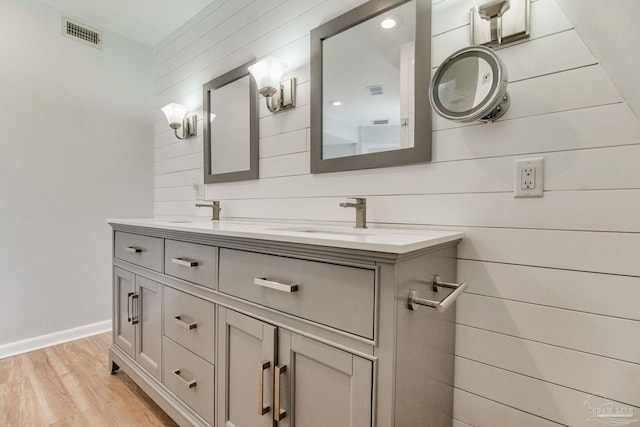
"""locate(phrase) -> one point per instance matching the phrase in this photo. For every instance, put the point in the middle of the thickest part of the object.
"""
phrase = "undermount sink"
(332, 231)
(188, 221)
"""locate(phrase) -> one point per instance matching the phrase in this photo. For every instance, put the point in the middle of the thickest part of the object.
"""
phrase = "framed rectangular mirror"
(230, 127)
(370, 75)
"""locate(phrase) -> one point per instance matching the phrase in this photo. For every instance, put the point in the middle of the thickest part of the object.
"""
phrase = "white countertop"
(391, 240)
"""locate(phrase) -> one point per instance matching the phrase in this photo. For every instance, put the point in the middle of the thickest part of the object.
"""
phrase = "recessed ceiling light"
(388, 23)
(336, 103)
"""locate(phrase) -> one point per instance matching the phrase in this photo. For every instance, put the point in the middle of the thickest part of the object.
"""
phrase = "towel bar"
(442, 305)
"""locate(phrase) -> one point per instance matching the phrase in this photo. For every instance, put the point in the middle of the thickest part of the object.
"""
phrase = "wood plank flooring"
(70, 385)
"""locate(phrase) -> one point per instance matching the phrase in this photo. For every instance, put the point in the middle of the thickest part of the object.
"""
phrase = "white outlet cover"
(538, 188)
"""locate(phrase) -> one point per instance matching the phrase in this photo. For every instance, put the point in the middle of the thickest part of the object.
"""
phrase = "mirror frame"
(421, 151)
(493, 106)
(207, 88)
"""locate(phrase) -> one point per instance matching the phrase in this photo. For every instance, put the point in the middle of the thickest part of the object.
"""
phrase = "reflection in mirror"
(470, 85)
(231, 131)
(366, 107)
(465, 85)
(230, 144)
(369, 87)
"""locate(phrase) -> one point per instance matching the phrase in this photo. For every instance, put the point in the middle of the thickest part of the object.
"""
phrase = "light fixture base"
(189, 127)
(288, 93)
(514, 25)
(284, 98)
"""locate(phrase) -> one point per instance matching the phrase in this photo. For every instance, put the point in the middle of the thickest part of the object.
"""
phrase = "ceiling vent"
(75, 30)
(380, 122)
(375, 90)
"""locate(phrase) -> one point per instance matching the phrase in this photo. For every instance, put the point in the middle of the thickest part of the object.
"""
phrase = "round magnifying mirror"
(470, 85)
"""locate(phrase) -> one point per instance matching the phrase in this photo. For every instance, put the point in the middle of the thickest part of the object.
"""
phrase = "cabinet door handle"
(134, 309)
(184, 324)
(262, 409)
(278, 412)
(187, 384)
(442, 305)
(185, 262)
(283, 287)
(132, 249)
(129, 316)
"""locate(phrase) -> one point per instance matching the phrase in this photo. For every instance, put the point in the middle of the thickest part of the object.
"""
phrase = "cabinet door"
(321, 385)
(246, 355)
(149, 333)
(124, 331)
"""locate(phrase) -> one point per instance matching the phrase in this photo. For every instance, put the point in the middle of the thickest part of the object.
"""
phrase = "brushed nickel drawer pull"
(278, 412)
(262, 408)
(134, 309)
(184, 324)
(132, 249)
(442, 305)
(188, 384)
(129, 315)
(283, 287)
(185, 262)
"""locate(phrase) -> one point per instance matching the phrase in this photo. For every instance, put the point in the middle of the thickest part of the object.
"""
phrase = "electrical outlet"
(198, 187)
(529, 178)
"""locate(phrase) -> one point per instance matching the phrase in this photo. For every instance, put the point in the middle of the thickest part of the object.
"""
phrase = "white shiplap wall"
(552, 312)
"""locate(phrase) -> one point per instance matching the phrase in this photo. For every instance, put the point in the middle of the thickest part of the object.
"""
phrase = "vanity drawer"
(189, 377)
(190, 321)
(190, 261)
(339, 296)
(140, 250)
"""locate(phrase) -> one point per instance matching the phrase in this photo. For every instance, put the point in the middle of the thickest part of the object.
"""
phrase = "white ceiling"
(146, 21)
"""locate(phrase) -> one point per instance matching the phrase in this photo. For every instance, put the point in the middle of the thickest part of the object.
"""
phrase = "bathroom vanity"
(244, 325)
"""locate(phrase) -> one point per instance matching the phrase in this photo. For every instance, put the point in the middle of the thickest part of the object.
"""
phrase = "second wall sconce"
(175, 114)
(280, 95)
(496, 22)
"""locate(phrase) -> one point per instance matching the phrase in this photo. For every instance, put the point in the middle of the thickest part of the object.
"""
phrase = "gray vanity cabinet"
(269, 370)
(224, 330)
(137, 321)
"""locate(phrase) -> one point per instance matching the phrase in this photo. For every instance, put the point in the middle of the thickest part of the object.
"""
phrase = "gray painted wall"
(76, 149)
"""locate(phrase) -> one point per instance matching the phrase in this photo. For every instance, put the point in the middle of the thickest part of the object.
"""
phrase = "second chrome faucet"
(361, 210)
(215, 205)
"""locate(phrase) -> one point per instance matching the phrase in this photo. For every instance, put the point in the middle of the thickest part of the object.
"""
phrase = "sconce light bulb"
(267, 74)
(488, 9)
(388, 23)
(175, 114)
(336, 103)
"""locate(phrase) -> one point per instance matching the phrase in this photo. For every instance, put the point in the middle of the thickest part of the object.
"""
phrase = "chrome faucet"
(361, 210)
(216, 209)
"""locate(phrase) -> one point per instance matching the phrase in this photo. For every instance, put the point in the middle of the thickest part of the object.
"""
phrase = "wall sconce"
(280, 95)
(175, 114)
(496, 22)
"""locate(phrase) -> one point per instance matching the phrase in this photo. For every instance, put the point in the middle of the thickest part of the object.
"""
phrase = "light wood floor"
(70, 385)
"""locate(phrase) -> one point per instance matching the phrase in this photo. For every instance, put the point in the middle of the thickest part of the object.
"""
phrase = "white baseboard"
(36, 343)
